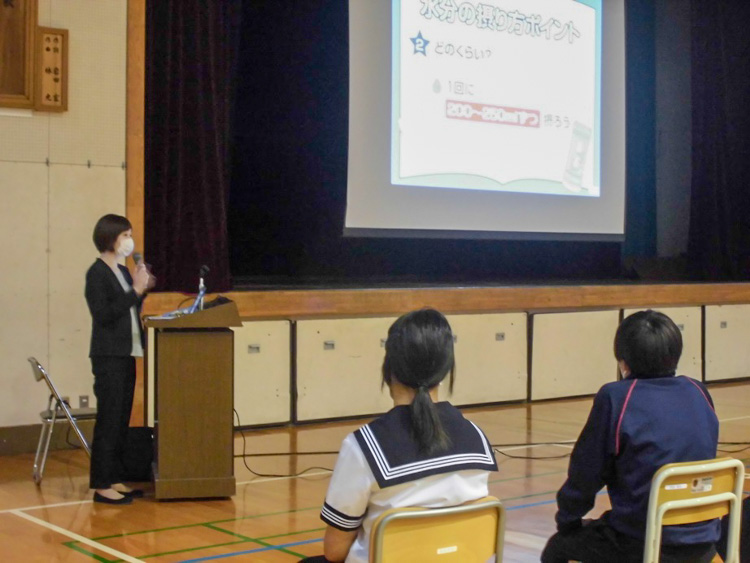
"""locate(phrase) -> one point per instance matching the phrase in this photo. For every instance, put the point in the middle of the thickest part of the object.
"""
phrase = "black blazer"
(111, 329)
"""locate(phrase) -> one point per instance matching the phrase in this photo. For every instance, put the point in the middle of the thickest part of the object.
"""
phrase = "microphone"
(137, 258)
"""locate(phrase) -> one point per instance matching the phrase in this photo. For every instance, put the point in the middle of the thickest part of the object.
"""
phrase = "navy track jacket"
(635, 426)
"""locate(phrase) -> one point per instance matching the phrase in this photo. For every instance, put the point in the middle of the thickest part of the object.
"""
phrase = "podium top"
(220, 316)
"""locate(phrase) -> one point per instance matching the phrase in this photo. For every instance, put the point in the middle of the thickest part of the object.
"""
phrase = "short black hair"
(107, 229)
(649, 343)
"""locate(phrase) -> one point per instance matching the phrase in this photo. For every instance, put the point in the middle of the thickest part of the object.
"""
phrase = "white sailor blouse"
(379, 467)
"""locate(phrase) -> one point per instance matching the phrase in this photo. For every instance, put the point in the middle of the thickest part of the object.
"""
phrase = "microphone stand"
(201, 293)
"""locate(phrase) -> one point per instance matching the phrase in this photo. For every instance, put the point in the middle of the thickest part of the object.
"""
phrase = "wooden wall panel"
(24, 330)
(339, 368)
(294, 304)
(18, 22)
(93, 128)
(146, 401)
(25, 136)
(727, 335)
(572, 353)
(491, 359)
(262, 372)
(78, 197)
(136, 115)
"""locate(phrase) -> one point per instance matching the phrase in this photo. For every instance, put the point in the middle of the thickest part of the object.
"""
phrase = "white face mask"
(126, 248)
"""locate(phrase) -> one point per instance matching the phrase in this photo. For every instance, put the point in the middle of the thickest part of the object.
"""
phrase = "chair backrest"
(466, 533)
(685, 493)
(41, 374)
(36, 369)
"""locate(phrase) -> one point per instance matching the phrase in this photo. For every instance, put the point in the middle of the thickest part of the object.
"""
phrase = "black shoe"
(105, 500)
(135, 493)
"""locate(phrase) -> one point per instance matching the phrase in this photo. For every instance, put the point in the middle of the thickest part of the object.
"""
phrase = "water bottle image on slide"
(579, 148)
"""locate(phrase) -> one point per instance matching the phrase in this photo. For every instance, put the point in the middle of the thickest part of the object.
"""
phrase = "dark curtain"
(719, 239)
(191, 55)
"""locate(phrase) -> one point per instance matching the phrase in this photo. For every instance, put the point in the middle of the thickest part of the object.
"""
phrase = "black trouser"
(597, 542)
(721, 545)
(114, 386)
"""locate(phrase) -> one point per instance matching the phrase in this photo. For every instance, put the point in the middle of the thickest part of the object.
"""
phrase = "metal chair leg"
(39, 470)
(74, 424)
(44, 440)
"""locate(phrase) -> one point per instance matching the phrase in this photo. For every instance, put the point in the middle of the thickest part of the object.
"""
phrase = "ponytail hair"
(419, 354)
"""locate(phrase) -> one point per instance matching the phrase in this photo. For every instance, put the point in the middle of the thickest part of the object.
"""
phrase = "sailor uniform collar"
(393, 455)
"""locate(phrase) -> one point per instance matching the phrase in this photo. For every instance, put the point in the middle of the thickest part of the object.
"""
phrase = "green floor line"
(185, 526)
(187, 549)
(235, 534)
(245, 539)
(282, 549)
(527, 476)
(72, 545)
(293, 533)
(253, 540)
(528, 496)
(317, 507)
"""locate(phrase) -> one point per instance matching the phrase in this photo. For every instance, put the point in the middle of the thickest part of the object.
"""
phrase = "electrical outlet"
(83, 401)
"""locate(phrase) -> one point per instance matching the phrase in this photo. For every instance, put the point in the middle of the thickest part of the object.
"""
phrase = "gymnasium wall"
(328, 368)
(58, 174)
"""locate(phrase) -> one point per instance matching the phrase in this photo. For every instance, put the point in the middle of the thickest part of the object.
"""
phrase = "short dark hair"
(107, 229)
(649, 343)
(419, 354)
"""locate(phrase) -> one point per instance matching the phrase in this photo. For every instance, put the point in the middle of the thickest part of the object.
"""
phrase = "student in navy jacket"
(648, 419)
(114, 299)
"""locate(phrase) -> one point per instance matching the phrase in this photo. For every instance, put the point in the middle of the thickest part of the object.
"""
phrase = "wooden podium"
(193, 403)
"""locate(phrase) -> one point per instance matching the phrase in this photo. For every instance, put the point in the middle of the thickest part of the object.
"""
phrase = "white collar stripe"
(377, 453)
(337, 519)
(389, 472)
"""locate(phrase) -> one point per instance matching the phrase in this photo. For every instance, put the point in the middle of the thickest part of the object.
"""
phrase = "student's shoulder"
(616, 389)
(692, 385)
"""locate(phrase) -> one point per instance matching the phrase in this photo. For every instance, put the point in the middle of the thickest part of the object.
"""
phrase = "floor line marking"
(285, 477)
(40, 506)
(292, 544)
(735, 418)
(269, 548)
(77, 537)
(531, 446)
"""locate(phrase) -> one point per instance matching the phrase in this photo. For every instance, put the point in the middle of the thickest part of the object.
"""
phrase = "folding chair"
(471, 532)
(684, 493)
(51, 416)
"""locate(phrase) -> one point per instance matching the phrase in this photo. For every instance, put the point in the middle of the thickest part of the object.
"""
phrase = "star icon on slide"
(420, 44)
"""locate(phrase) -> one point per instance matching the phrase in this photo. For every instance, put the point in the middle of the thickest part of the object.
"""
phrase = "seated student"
(636, 425)
(420, 453)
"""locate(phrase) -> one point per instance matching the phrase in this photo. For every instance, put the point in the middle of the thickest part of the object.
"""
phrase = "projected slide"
(497, 95)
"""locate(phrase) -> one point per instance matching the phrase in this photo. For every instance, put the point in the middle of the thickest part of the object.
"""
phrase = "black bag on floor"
(138, 454)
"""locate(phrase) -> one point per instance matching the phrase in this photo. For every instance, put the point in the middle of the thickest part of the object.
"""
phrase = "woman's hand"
(142, 279)
(151, 277)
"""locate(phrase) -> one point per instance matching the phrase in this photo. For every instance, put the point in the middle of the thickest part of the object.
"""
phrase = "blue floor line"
(286, 545)
(257, 550)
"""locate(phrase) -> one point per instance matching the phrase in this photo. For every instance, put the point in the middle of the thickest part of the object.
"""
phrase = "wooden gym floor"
(276, 518)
